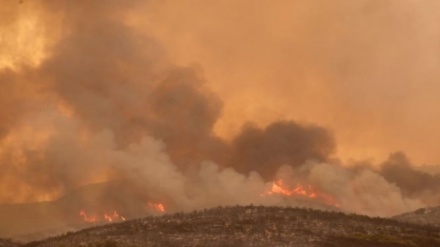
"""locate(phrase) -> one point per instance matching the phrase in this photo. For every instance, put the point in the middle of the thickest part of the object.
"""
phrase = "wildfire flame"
(159, 207)
(87, 218)
(278, 187)
(115, 216)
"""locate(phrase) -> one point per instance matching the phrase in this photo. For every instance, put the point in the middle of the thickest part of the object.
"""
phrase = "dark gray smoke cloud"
(115, 77)
(281, 143)
(399, 170)
(184, 116)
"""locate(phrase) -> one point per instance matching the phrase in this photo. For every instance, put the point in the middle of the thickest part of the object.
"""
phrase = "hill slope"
(423, 216)
(253, 226)
(7, 243)
(35, 221)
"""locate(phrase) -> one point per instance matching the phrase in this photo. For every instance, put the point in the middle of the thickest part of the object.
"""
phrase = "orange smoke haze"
(27, 34)
(365, 69)
(194, 104)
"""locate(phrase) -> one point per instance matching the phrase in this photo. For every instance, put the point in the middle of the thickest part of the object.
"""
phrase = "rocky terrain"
(423, 216)
(253, 226)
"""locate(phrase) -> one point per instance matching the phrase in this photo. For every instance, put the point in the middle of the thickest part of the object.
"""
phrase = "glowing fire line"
(157, 207)
(278, 188)
(115, 216)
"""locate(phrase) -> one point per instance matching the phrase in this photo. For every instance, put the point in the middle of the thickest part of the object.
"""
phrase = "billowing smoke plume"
(265, 150)
(413, 183)
(107, 104)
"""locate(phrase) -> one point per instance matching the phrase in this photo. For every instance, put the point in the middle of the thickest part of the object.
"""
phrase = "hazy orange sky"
(366, 69)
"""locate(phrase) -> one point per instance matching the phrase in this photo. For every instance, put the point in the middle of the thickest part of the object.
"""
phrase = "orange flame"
(107, 217)
(87, 218)
(157, 206)
(279, 188)
(113, 217)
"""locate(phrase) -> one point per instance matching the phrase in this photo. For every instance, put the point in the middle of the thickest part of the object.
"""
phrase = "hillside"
(7, 243)
(423, 216)
(253, 226)
(35, 221)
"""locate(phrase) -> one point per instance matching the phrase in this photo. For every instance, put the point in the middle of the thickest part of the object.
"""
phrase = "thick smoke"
(367, 69)
(107, 103)
(284, 142)
(398, 170)
(114, 77)
(103, 75)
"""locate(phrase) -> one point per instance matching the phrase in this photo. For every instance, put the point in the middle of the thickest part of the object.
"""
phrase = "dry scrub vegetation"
(252, 226)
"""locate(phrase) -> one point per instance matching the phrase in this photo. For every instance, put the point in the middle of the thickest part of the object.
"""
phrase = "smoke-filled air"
(117, 109)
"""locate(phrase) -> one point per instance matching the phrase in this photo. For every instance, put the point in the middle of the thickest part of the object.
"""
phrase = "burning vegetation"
(278, 187)
(159, 207)
(93, 218)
